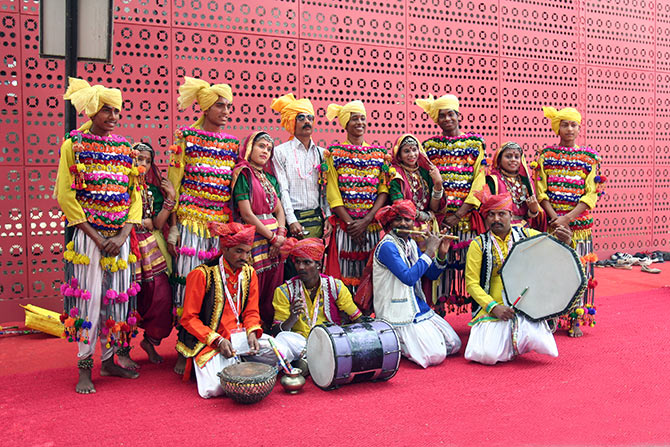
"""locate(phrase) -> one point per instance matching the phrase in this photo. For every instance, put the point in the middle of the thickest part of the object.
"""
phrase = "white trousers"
(429, 340)
(290, 344)
(491, 341)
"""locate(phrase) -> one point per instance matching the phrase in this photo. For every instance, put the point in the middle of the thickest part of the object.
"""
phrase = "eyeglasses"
(304, 116)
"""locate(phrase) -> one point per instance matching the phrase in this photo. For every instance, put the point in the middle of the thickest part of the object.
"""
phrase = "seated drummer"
(308, 299)
(220, 308)
(398, 266)
(492, 323)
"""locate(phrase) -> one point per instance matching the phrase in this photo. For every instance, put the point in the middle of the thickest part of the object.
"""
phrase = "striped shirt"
(297, 170)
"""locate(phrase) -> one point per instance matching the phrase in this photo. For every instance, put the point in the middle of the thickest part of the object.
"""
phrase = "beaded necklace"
(418, 185)
(516, 189)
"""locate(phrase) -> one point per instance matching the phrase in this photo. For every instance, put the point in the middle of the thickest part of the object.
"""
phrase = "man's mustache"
(307, 126)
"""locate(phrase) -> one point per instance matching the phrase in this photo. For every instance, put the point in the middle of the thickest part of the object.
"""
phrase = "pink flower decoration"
(74, 312)
(86, 295)
(74, 282)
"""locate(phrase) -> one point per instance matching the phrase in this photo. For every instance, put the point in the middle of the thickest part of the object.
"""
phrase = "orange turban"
(403, 208)
(493, 202)
(289, 107)
(310, 248)
(232, 234)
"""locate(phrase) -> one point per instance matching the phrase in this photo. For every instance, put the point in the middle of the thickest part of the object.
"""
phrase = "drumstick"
(282, 362)
(521, 296)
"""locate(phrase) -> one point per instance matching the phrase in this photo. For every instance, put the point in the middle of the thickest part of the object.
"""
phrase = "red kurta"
(196, 286)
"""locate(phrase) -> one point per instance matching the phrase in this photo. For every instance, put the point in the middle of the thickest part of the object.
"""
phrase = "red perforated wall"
(505, 59)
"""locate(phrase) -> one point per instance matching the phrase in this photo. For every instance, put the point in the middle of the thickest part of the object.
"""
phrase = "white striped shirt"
(297, 170)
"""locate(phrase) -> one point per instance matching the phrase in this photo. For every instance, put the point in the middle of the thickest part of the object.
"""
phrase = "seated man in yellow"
(498, 334)
(308, 299)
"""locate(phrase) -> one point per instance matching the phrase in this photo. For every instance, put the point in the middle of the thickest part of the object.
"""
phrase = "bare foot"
(85, 384)
(180, 366)
(575, 331)
(126, 362)
(151, 352)
(109, 368)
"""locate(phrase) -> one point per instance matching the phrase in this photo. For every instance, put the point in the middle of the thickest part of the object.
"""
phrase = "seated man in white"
(493, 322)
(398, 266)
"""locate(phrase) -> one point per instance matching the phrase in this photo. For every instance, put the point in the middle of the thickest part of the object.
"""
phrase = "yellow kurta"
(282, 305)
(472, 276)
(67, 197)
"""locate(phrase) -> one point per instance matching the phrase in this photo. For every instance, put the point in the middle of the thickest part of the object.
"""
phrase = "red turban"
(493, 202)
(403, 208)
(233, 234)
(311, 248)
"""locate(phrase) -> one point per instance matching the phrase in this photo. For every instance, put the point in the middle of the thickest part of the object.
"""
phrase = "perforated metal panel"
(505, 59)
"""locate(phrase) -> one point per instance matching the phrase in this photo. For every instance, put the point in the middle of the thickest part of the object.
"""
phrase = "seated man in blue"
(398, 265)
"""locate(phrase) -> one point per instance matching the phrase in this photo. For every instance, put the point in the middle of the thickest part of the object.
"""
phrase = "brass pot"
(293, 382)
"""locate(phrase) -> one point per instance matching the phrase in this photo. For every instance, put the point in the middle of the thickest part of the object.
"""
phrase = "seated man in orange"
(220, 307)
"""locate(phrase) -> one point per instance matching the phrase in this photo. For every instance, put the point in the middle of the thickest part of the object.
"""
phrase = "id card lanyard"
(236, 309)
(315, 309)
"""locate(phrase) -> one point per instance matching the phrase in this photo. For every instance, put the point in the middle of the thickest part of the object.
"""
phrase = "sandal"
(647, 269)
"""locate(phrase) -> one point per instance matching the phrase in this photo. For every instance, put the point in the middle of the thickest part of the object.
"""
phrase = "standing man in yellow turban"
(459, 157)
(358, 177)
(568, 185)
(98, 192)
(298, 165)
(201, 169)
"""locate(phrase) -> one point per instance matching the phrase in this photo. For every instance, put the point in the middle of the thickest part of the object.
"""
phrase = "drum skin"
(358, 352)
(550, 271)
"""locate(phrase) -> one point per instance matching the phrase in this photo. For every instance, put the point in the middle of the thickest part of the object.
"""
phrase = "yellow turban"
(433, 106)
(198, 90)
(567, 114)
(289, 107)
(90, 99)
(344, 112)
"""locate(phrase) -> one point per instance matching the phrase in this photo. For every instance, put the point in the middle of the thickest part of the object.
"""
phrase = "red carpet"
(608, 388)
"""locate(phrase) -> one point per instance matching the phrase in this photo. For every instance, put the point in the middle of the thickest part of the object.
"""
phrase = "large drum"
(542, 277)
(357, 352)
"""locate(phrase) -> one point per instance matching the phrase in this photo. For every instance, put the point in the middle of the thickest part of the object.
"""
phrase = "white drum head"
(320, 357)
(551, 272)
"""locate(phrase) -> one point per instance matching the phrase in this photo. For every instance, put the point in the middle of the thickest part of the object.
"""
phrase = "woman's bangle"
(273, 239)
(437, 195)
(531, 216)
(281, 231)
(169, 204)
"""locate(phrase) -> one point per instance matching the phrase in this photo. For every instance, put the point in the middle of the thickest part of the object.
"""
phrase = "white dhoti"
(491, 341)
(290, 344)
(429, 340)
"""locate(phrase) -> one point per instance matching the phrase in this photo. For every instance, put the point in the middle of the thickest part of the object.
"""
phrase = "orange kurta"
(196, 287)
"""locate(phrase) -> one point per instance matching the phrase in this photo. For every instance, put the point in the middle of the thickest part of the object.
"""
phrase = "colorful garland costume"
(460, 161)
(97, 183)
(356, 176)
(566, 176)
(200, 171)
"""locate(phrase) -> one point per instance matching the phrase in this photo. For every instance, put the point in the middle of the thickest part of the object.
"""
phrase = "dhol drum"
(358, 352)
(542, 277)
(248, 382)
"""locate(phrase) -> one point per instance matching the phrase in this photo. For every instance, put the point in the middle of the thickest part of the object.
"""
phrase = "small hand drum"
(248, 382)
(549, 271)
